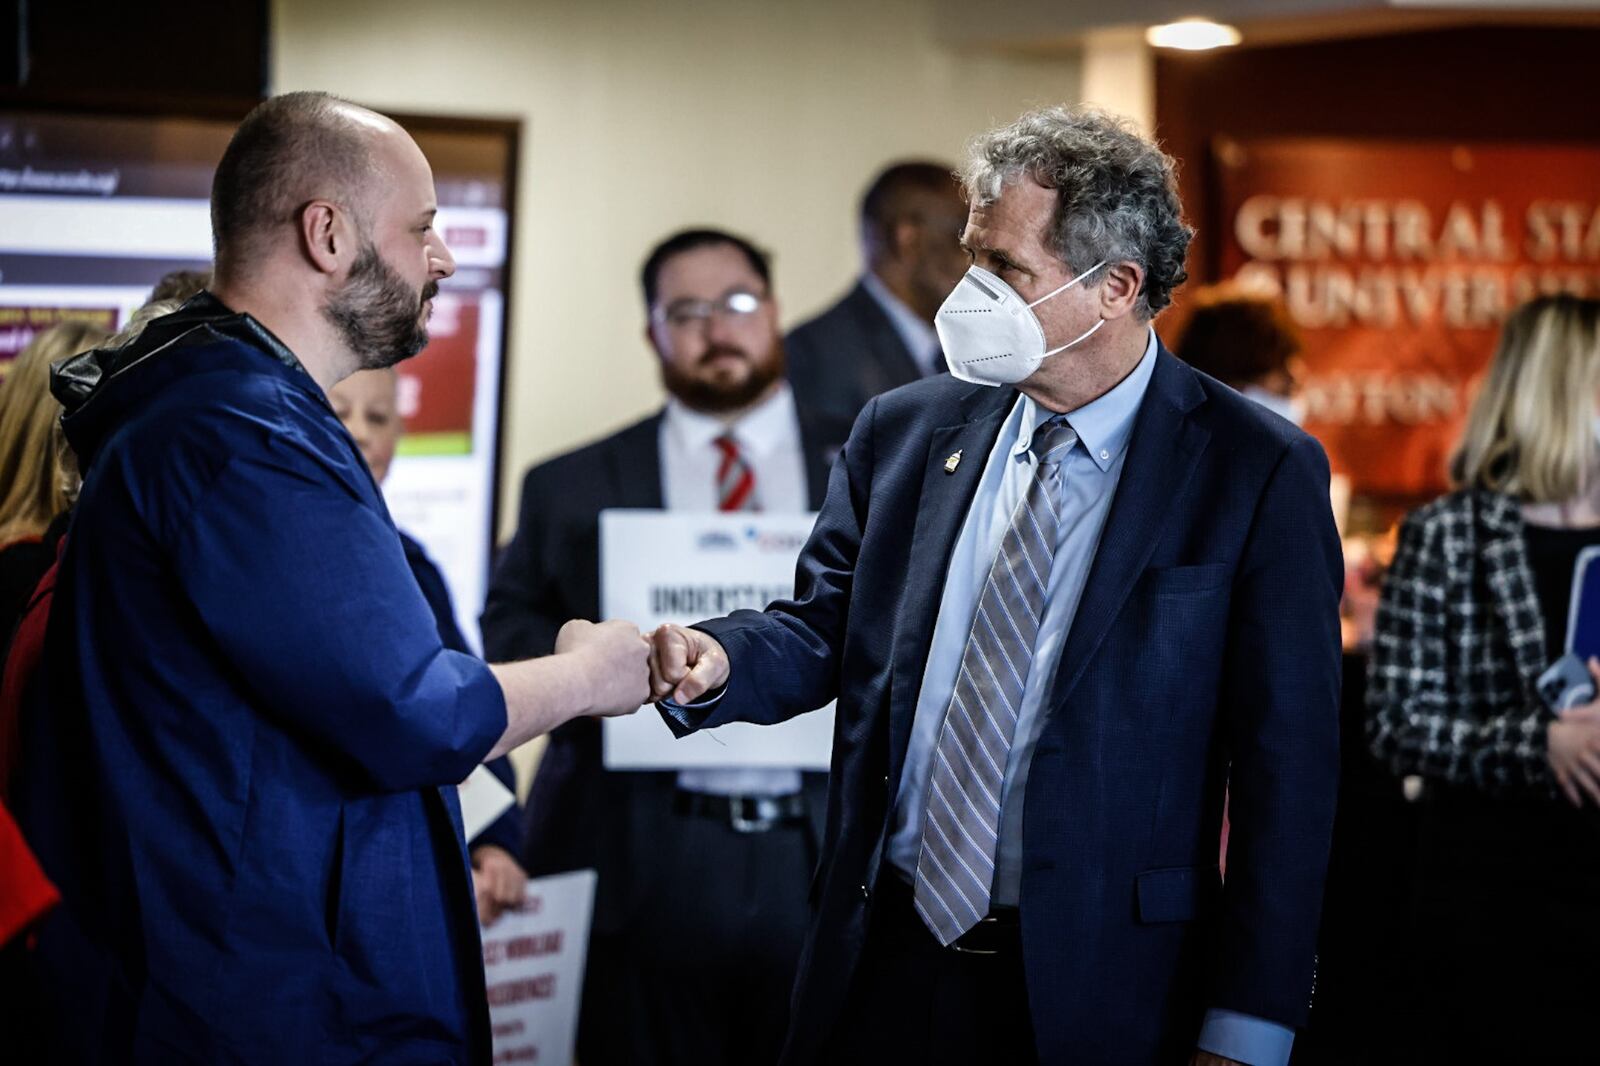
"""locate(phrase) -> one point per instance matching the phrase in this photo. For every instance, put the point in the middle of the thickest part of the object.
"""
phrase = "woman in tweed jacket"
(1507, 907)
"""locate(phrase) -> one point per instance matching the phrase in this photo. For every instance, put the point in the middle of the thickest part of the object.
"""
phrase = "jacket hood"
(98, 389)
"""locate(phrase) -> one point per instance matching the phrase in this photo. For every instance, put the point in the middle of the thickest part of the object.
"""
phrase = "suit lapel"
(893, 364)
(942, 505)
(1162, 452)
(636, 466)
(819, 446)
(1510, 581)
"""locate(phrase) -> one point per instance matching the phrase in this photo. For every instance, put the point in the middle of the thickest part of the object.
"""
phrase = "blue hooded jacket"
(239, 775)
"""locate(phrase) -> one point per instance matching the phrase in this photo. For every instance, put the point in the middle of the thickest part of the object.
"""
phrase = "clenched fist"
(685, 664)
(616, 664)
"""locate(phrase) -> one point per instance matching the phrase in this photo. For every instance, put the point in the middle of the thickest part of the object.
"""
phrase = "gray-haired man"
(1059, 614)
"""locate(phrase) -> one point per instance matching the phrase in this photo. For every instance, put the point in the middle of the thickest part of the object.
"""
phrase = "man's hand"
(498, 882)
(685, 664)
(1206, 1058)
(616, 664)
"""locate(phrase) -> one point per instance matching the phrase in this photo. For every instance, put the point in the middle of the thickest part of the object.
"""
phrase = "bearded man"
(242, 773)
(702, 875)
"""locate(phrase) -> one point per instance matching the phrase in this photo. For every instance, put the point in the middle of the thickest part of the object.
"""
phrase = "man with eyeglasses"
(703, 874)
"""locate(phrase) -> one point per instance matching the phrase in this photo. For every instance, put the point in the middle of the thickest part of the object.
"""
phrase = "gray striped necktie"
(961, 825)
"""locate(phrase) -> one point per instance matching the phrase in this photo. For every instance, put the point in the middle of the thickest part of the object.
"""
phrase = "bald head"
(290, 150)
(323, 216)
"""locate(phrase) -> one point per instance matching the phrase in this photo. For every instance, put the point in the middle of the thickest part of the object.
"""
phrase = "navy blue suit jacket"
(1207, 634)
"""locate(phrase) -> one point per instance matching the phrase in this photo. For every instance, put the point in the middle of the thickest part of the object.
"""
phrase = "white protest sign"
(533, 966)
(661, 566)
(483, 799)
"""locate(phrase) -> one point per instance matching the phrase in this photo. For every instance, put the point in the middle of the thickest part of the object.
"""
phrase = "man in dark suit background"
(702, 874)
(1059, 620)
(880, 335)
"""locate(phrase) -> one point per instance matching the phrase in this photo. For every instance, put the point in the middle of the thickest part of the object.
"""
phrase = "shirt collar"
(1105, 423)
(920, 338)
(761, 430)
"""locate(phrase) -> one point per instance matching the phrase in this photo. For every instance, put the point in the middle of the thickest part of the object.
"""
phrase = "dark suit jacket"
(1208, 631)
(578, 815)
(846, 356)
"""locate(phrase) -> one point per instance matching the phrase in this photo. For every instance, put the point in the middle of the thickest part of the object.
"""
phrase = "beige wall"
(639, 118)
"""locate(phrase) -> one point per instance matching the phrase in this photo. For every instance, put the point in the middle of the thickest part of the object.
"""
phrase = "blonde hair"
(37, 478)
(1531, 430)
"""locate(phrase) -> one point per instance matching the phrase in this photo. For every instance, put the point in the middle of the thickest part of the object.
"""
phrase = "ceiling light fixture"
(1192, 35)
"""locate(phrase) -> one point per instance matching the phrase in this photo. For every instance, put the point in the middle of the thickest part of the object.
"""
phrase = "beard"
(710, 394)
(378, 315)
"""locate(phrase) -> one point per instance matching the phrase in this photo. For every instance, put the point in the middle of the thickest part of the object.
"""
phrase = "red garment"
(27, 646)
(25, 893)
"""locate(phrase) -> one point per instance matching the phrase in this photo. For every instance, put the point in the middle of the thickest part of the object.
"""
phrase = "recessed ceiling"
(1050, 27)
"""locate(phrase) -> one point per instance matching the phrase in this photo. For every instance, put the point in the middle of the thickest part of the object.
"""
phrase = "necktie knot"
(728, 445)
(1053, 440)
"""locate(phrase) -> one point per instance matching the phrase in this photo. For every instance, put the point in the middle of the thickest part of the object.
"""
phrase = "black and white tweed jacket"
(1458, 646)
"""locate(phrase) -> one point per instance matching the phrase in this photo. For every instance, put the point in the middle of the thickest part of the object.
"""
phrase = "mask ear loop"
(1067, 286)
(1083, 337)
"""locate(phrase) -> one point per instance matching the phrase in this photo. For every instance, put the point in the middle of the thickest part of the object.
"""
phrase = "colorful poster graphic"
(19, 325)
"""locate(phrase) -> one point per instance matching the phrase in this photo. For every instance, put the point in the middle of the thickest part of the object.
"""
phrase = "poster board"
(661, 566)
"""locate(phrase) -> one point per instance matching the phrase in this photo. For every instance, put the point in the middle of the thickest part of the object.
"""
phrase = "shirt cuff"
(685, 718)
(1245, 1038)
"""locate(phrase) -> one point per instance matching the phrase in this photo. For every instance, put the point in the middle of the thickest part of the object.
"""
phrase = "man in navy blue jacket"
(242, 778)
(1060, 620)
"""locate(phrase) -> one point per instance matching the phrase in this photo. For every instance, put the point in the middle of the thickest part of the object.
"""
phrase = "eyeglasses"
(681, 314)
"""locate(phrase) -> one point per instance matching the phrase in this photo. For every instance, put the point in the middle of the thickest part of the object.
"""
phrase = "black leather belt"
(996, 934)
(745, 814)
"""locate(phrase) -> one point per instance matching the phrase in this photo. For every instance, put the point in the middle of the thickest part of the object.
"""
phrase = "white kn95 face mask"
(990, 335)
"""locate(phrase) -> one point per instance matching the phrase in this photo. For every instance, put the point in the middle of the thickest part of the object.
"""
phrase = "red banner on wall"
(1399, 261)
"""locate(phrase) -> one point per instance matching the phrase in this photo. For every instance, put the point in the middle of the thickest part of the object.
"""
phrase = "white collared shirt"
(769, 440)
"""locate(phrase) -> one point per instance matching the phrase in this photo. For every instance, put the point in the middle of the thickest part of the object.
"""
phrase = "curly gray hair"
(1116, 191)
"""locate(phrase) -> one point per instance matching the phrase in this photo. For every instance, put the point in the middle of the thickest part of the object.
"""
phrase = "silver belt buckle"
(764, 818)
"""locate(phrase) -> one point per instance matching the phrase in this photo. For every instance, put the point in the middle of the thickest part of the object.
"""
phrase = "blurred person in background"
(178, 285)
(38, 481)
(1249, 342)
(1474, 608)
(368, 404)
(38, 477)
(701, 900)
(245, 784)
(880, 335)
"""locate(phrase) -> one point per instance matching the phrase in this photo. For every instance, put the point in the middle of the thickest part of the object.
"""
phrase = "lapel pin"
(951, 463)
